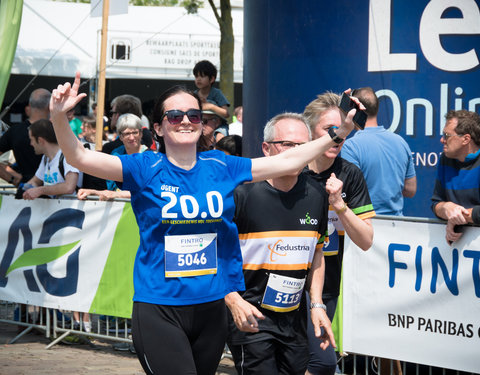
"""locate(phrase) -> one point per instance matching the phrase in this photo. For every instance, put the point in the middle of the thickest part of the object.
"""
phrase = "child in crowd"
(212, 98)
(231, 145)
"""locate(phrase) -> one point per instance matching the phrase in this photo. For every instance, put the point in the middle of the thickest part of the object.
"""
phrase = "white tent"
(57, 39)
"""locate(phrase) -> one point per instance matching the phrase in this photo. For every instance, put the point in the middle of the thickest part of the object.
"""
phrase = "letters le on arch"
(422, 57)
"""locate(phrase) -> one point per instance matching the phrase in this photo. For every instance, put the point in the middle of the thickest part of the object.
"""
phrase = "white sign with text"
(413, 297)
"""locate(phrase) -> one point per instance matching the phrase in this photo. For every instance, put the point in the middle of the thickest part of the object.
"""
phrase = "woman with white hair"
(129, 127)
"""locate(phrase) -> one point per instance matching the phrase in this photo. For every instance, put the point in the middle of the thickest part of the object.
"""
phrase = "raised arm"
(295, 159)
(98, 164)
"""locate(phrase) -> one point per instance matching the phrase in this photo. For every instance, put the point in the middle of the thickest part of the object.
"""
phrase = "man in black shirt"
(16, 138)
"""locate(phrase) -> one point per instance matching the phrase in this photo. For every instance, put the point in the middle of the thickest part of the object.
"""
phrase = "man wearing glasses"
(456, 196)
(214, 128)
(281, 224)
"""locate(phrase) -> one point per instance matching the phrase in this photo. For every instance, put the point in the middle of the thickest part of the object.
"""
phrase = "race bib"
(282, 293)
(190, 255)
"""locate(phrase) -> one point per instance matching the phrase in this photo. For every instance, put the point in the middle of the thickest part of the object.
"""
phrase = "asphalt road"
(29, 356)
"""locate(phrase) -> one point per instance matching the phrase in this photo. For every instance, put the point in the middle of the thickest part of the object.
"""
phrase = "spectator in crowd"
(350, 211)
(16, 139)
(6, 160)
(129, 127)
(54, 175)
(89, 132)
(236, 127)
(211, 128)
(456, 196)
(179, 322)
(268, 322)
(75, 123)
(231, 145)
(89, 136)
(212, 98)
(126, 104)
(106, 128)
(384, 158)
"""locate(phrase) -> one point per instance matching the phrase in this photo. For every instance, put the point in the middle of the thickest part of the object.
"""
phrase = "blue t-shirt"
(189, 249)
(216, 97)
(386, 161)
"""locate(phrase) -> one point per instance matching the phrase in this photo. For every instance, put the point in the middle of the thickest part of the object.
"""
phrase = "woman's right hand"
(66, 97)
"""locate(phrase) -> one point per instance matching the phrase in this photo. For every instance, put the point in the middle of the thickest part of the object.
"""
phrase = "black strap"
(61, 168)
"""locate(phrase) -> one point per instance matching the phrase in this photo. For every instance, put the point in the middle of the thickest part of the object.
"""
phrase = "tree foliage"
(227, 43)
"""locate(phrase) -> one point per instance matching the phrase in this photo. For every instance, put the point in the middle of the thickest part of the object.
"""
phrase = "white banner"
(170, 54)
(413, 297)
(68, 254)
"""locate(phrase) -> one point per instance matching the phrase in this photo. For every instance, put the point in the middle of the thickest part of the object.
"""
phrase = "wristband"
(318, 305)
(334, 136)
(12, 179)
(341, 210)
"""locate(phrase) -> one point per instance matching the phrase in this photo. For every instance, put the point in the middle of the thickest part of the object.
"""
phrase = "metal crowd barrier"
(59, 324)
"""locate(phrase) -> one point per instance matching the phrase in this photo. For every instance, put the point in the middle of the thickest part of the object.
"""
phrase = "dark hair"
(92, 122)
(467, 123)
(159, 111)
(128, 104)
(368, 98)
(231, 144)
(205, 68)
(43, 128)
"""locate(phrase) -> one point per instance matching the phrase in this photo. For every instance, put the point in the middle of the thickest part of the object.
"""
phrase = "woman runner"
(189, 256)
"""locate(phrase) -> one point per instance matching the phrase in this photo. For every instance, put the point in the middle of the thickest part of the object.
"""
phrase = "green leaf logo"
(42, 255)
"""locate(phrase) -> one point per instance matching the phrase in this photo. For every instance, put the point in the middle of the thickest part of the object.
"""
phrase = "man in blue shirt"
(384, 159)
(456, 196)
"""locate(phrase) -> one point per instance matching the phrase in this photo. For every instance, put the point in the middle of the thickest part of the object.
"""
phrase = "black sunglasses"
(175, 116)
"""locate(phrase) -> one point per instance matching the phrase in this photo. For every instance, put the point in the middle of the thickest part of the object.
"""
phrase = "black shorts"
(179, 339)
(270, 357)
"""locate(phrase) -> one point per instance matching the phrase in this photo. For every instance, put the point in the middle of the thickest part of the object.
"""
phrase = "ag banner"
(413, 297)
(68, 254)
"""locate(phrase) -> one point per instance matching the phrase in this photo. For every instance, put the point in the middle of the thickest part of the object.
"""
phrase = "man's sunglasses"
(175, 116)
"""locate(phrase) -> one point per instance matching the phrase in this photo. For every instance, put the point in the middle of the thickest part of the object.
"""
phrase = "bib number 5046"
(191, 259)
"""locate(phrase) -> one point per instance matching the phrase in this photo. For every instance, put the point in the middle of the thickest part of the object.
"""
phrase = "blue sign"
(421, 57)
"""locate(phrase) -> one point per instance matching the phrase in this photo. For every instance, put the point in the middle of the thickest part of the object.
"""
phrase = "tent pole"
(101, 77)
